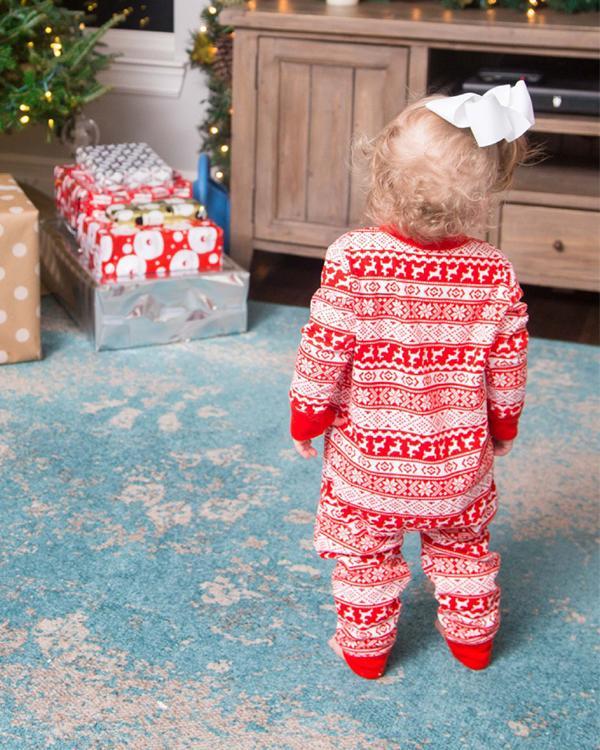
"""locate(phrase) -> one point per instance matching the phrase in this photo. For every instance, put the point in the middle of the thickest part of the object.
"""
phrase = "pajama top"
(422, 350)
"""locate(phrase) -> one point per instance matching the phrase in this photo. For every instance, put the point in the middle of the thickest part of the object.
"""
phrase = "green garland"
(532, 6)
(211, 51)
(48, 64)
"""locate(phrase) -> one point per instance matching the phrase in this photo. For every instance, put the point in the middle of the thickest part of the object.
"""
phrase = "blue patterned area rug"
(159, 590)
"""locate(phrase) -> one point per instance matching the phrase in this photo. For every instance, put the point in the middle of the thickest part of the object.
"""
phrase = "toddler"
(413, 365)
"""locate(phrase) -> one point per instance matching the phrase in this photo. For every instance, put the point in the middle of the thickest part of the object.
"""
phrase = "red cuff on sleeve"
(504, 429)
(306, 427)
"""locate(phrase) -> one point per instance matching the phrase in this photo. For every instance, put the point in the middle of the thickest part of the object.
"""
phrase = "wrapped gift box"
(114, 250)
(77, 194)
(114, 165)
(19, 275)
(140, 312)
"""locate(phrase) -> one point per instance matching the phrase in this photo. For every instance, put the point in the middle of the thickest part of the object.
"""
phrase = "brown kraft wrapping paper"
(19, 275)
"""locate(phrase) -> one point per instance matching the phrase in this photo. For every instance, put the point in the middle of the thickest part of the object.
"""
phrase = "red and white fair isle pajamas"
(422, 350)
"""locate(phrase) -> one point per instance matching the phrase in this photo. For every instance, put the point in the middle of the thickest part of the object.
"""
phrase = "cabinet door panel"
(312, 98)
(294, 107)
(330, 133)
(369, 86)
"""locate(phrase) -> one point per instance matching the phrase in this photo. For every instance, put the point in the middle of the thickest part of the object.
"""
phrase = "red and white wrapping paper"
(115, 252)
(77, 195)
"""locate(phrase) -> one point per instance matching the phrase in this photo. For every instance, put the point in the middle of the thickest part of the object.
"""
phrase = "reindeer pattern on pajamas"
(421, 350)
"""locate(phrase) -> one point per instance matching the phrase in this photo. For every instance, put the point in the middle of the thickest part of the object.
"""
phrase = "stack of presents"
(133, 256)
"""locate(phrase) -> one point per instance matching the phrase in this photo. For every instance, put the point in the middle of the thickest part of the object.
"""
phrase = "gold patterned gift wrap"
(19, 275)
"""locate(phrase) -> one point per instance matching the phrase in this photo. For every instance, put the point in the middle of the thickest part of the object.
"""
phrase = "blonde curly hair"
(430, 179)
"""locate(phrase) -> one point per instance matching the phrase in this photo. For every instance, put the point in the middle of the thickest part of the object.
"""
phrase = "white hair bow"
(503, 112)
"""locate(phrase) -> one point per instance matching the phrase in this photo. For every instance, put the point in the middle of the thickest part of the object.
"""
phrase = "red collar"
(447, 244)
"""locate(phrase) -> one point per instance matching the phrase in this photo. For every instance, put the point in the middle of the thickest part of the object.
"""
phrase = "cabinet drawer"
(552, 246)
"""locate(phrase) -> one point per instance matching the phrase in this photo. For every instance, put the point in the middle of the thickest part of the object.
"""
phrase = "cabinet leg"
(241, 251)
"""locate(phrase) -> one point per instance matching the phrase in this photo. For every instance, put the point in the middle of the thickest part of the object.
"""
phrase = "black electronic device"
(548, 93)
(498, 76)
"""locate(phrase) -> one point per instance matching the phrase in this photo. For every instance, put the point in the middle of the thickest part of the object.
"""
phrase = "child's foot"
(335, 646)
(474, 656)
(369, 667)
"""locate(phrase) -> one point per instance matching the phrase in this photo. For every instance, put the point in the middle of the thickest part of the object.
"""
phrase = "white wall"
(156, 98)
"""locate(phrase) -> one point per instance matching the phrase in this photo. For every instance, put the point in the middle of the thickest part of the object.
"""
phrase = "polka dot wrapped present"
(113, 251)
(142, 311)
(19, 275)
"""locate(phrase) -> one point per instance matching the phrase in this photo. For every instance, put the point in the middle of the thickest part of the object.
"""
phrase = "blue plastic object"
(213, 195)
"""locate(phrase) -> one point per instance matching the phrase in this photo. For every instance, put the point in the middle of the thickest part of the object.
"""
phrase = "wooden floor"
(553, 313)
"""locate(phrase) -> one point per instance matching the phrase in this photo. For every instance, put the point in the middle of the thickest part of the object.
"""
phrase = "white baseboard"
(148, 64)
(128, 75)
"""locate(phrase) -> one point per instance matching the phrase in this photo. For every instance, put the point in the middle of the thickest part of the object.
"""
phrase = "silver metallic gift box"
(141, 312)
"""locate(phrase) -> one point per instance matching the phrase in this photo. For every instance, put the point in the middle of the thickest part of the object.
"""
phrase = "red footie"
(474, 656)
(369, 667)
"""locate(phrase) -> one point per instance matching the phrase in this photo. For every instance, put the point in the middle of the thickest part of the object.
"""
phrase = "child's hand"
(305, 449)
(502, 447)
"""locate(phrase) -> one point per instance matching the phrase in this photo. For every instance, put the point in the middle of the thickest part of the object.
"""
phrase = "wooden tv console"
(307, 76)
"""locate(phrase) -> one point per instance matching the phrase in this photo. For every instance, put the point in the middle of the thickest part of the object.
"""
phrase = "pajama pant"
(370, 575)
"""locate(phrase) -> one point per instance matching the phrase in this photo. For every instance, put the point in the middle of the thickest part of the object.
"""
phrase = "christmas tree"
(213, 52)
(48, 63)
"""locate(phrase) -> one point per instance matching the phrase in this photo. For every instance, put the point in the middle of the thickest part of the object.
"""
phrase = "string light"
(30, 45)
(48, 29)
(48, 96)
(24, 120)
(81, 26)
(24, 107)
(50, 122)
(204, 54)
(535, 4)
(56, 48)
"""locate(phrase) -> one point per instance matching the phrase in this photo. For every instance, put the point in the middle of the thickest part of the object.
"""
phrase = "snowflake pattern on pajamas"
(423, 350)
